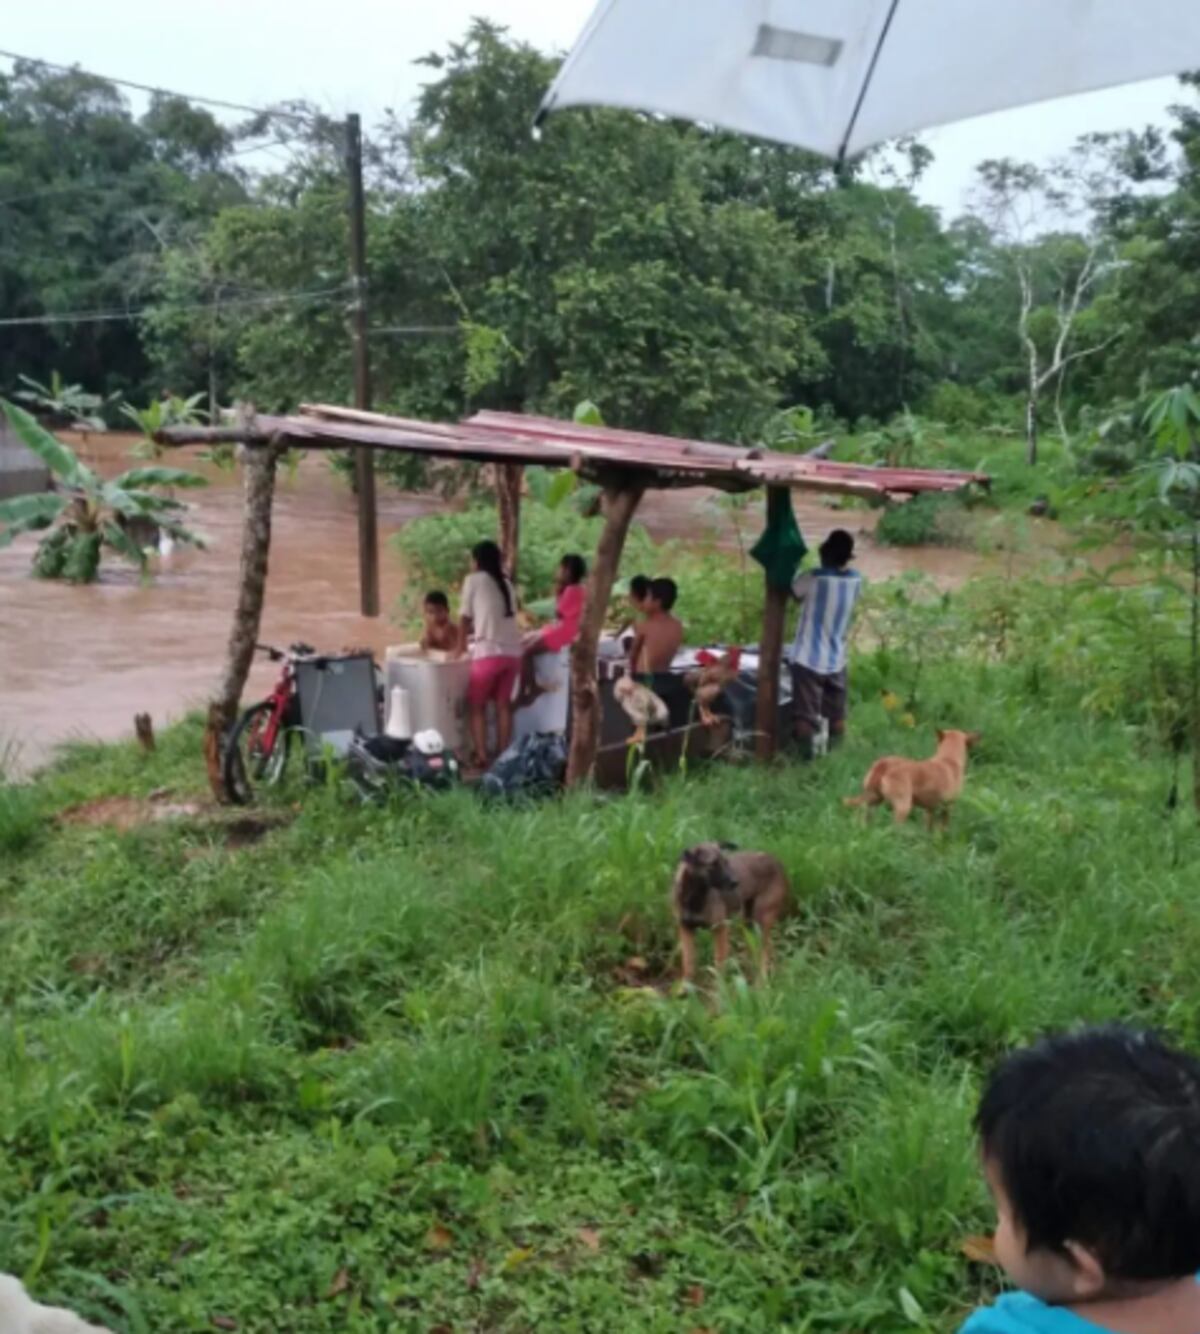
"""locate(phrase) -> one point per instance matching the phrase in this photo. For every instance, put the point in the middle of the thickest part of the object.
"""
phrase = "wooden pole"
(620, 502)
(508, 499)
(770, 657)
(258, 497)
(364, 459)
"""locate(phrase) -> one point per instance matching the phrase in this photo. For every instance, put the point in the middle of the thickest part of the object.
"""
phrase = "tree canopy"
(687, 281)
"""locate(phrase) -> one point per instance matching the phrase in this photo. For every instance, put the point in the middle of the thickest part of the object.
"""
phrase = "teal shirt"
(1019, 1313)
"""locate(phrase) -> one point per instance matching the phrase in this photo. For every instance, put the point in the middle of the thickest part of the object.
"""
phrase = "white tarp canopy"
(839, 76)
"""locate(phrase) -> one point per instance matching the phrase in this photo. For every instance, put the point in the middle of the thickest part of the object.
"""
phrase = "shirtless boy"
(440, 633)
(657, 638)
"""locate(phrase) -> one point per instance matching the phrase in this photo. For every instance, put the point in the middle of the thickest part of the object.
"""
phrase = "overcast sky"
(357, 55)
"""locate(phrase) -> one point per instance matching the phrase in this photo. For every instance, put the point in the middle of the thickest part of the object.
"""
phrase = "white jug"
(399, 723)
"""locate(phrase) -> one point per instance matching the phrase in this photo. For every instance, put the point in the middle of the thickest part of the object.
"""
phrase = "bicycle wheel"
(248, 761)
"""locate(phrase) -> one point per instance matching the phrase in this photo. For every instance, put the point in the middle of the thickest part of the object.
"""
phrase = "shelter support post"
(620, 502)
(364, 459)
(508, 500)
(770, 657)
(258, 498)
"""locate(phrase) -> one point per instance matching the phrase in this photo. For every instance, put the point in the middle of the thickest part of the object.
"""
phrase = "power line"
(299, 117)
(415, 330)
(109, 316)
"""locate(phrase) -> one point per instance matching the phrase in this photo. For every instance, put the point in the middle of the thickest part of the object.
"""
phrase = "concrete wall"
(20, 471)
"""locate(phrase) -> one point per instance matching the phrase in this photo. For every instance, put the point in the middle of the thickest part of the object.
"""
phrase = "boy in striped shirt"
(827, 597)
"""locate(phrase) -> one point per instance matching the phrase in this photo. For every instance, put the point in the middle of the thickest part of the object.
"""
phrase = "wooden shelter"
(625, 464)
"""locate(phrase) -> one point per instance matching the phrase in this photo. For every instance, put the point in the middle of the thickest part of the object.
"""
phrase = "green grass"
(382, 1070)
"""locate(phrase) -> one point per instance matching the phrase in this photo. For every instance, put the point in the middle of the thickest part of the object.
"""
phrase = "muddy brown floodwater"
(80, 662)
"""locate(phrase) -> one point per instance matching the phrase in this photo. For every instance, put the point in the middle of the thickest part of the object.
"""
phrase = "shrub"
(436, 549)
(926, 520)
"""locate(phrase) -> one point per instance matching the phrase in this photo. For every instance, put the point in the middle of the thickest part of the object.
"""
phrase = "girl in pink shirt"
(568, 610)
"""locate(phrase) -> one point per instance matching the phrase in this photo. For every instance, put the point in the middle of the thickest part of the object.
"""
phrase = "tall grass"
(20, 814)
(388, 1069)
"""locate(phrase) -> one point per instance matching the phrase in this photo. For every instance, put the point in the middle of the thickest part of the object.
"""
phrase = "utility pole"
(364, 459)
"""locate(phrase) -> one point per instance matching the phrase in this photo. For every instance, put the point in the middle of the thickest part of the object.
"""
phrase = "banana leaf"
(140, 478)
(24, 514)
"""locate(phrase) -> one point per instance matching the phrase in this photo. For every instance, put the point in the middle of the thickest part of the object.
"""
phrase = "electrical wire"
(301, 118)
(110, 316)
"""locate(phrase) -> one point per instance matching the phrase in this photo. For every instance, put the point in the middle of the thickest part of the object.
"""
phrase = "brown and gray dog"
(715, 884)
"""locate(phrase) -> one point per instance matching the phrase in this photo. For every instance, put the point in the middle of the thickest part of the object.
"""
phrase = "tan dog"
(934, 785)
(714, 884)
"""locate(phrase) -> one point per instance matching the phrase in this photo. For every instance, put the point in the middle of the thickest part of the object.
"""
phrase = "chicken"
(643, 706)
(708, 681)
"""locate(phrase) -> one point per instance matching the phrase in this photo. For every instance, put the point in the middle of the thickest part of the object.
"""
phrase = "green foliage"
(925, 520)
(20, 813)
(436, 548)
(86, 513)
(168, 411)
(66, 404)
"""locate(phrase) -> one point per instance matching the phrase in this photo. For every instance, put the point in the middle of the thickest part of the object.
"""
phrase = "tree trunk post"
(258, 496)
(508, 500)
(620, 503)
(770, 658)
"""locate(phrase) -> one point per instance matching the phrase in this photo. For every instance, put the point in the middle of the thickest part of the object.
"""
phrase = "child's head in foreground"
(639, 591)
(1091, 1144)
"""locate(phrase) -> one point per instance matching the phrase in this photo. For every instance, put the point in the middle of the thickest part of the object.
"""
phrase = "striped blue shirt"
(827, 608)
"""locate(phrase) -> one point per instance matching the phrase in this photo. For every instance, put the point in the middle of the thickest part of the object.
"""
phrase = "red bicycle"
(256, 751)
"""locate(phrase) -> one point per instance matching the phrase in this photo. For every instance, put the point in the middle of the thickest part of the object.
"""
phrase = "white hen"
(643, 706)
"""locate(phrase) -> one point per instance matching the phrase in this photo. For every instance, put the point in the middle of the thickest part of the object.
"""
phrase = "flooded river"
(80, 662)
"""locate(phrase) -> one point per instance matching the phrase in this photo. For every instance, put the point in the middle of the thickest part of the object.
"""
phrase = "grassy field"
(396, 1069)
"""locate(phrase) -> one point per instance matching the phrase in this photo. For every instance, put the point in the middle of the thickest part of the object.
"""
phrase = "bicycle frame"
(266, 733)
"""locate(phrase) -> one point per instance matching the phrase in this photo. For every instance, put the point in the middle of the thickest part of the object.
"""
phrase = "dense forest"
(686, 281)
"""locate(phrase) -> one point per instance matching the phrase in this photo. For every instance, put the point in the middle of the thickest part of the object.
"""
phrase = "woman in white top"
(489, 618)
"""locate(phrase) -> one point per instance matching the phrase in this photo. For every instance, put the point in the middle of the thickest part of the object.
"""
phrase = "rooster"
(643, 707)
(710, 679)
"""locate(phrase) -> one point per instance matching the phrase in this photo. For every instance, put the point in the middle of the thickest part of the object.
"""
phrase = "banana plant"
(68, 404)
(85, 514)
(170, 411)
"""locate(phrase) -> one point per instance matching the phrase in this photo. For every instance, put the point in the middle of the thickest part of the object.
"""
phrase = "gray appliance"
(339, 697)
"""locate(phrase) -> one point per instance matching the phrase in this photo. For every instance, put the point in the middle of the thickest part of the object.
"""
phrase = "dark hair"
(576, 568)
(436, 598)
(1095, 1136)
(487, 556)
(664, 592)
(639, 587)
(838, 549)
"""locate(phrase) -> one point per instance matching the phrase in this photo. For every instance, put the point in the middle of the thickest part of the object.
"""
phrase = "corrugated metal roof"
(595, 452)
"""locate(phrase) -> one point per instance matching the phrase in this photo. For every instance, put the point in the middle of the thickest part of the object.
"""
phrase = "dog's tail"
(870, 793)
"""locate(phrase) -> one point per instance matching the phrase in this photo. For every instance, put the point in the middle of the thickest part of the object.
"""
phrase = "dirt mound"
(238, 829)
